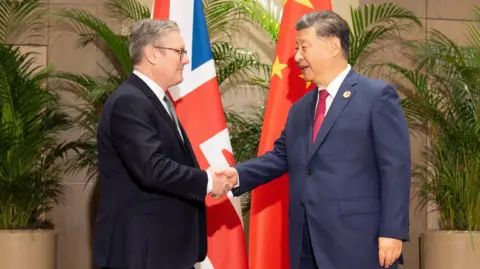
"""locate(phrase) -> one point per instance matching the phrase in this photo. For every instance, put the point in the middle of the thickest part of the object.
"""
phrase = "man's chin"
(308, 79)
(180, 80)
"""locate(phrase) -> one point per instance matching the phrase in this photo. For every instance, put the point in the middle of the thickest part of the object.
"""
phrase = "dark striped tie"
(171, 109)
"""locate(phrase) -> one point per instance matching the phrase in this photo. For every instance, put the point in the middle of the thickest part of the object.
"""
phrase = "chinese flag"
(268, 246)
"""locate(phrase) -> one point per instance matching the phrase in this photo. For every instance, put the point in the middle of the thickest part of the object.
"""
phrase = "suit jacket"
(151, 211)
(353, 182)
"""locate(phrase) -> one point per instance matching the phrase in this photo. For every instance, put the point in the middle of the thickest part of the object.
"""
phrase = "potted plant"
(442, 102)
(30, 179)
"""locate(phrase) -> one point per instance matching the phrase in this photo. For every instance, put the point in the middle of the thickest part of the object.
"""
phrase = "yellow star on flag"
(306, 3)
(277, 68)
(308, 82)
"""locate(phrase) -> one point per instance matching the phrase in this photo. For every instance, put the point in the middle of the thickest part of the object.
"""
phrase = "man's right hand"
(221, 185)
(223, 181)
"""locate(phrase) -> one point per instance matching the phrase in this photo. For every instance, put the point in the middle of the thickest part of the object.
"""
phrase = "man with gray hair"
(151, 211)
(346, 148)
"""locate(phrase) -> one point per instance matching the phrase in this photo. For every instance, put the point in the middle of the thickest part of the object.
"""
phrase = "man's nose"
(298, 56)
(185, 59)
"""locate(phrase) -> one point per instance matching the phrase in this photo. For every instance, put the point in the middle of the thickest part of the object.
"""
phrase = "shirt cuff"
(238, 180)
(210, 182)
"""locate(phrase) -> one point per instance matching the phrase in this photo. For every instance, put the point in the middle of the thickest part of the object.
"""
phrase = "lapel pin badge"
(346, 94)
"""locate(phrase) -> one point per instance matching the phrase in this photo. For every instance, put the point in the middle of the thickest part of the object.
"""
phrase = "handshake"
(223, 180)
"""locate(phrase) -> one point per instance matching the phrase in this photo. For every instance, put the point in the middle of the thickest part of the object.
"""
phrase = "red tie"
(321, 108)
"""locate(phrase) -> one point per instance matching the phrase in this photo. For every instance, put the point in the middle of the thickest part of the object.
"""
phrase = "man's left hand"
(389, 249)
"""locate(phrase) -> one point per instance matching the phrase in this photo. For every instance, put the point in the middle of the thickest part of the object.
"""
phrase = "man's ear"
(149, 53)
(335, 46)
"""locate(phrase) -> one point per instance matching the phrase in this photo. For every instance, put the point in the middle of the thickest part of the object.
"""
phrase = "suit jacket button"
(309, 172)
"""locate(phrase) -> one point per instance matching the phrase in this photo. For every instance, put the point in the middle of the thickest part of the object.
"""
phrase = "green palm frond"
(264, 14)
(127, 11)
(452, 69)
(93, 30)
(473, 28)
(244, 127)
(412, 104)
(236, 65)
(92, 91)
(374, 23)
(223, 18)
(20, 17)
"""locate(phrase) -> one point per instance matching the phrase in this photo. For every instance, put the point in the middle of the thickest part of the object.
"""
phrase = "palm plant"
(239, 66)
(442, 103)
(30, 181)
(30, 119)
(21, 20)
(373, 25)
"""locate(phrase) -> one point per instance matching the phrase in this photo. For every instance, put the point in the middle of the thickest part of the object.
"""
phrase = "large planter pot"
(28, 249)
(450, 250)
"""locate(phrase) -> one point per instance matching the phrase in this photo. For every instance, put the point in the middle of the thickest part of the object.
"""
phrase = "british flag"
(199, 107)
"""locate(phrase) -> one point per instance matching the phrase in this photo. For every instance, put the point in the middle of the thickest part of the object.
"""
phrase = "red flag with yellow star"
(268, 244)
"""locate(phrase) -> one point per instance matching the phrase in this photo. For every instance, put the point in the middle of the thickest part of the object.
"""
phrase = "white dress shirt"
(333, 88)
(160, 93)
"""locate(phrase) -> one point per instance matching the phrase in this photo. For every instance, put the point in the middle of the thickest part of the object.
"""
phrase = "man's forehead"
(305, 34)
(303, 38)
(173, 38)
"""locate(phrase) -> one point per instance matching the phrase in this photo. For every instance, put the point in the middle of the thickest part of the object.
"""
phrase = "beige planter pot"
(28, 249)
(450, 250)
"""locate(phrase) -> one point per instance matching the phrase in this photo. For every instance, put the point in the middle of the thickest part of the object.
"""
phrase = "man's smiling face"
(313, 55)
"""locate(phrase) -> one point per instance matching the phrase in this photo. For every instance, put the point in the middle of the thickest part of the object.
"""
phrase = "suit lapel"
(140, 84)
(188, 146)
(310, 111)
(338, 105)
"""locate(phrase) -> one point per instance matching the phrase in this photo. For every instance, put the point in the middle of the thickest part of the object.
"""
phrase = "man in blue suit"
(346, 148)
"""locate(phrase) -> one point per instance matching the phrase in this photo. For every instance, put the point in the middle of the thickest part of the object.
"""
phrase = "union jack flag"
(199, 107)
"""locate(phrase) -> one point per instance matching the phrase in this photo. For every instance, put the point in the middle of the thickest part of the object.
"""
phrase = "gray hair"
(146, 32)
(327, 24)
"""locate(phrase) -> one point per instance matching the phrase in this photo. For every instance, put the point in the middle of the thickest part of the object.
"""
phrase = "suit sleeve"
(392, 148)
(140, 148)
(265, 168)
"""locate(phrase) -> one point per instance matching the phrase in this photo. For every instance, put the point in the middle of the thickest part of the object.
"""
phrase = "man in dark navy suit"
(151, 212)
(346, 148)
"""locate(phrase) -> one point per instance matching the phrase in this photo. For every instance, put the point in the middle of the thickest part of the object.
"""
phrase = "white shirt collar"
(335, 84)
(159, 92)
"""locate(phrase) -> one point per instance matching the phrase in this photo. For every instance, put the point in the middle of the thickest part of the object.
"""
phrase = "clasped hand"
(223, 181)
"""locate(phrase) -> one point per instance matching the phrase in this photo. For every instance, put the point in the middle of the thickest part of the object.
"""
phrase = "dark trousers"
(307, 258)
